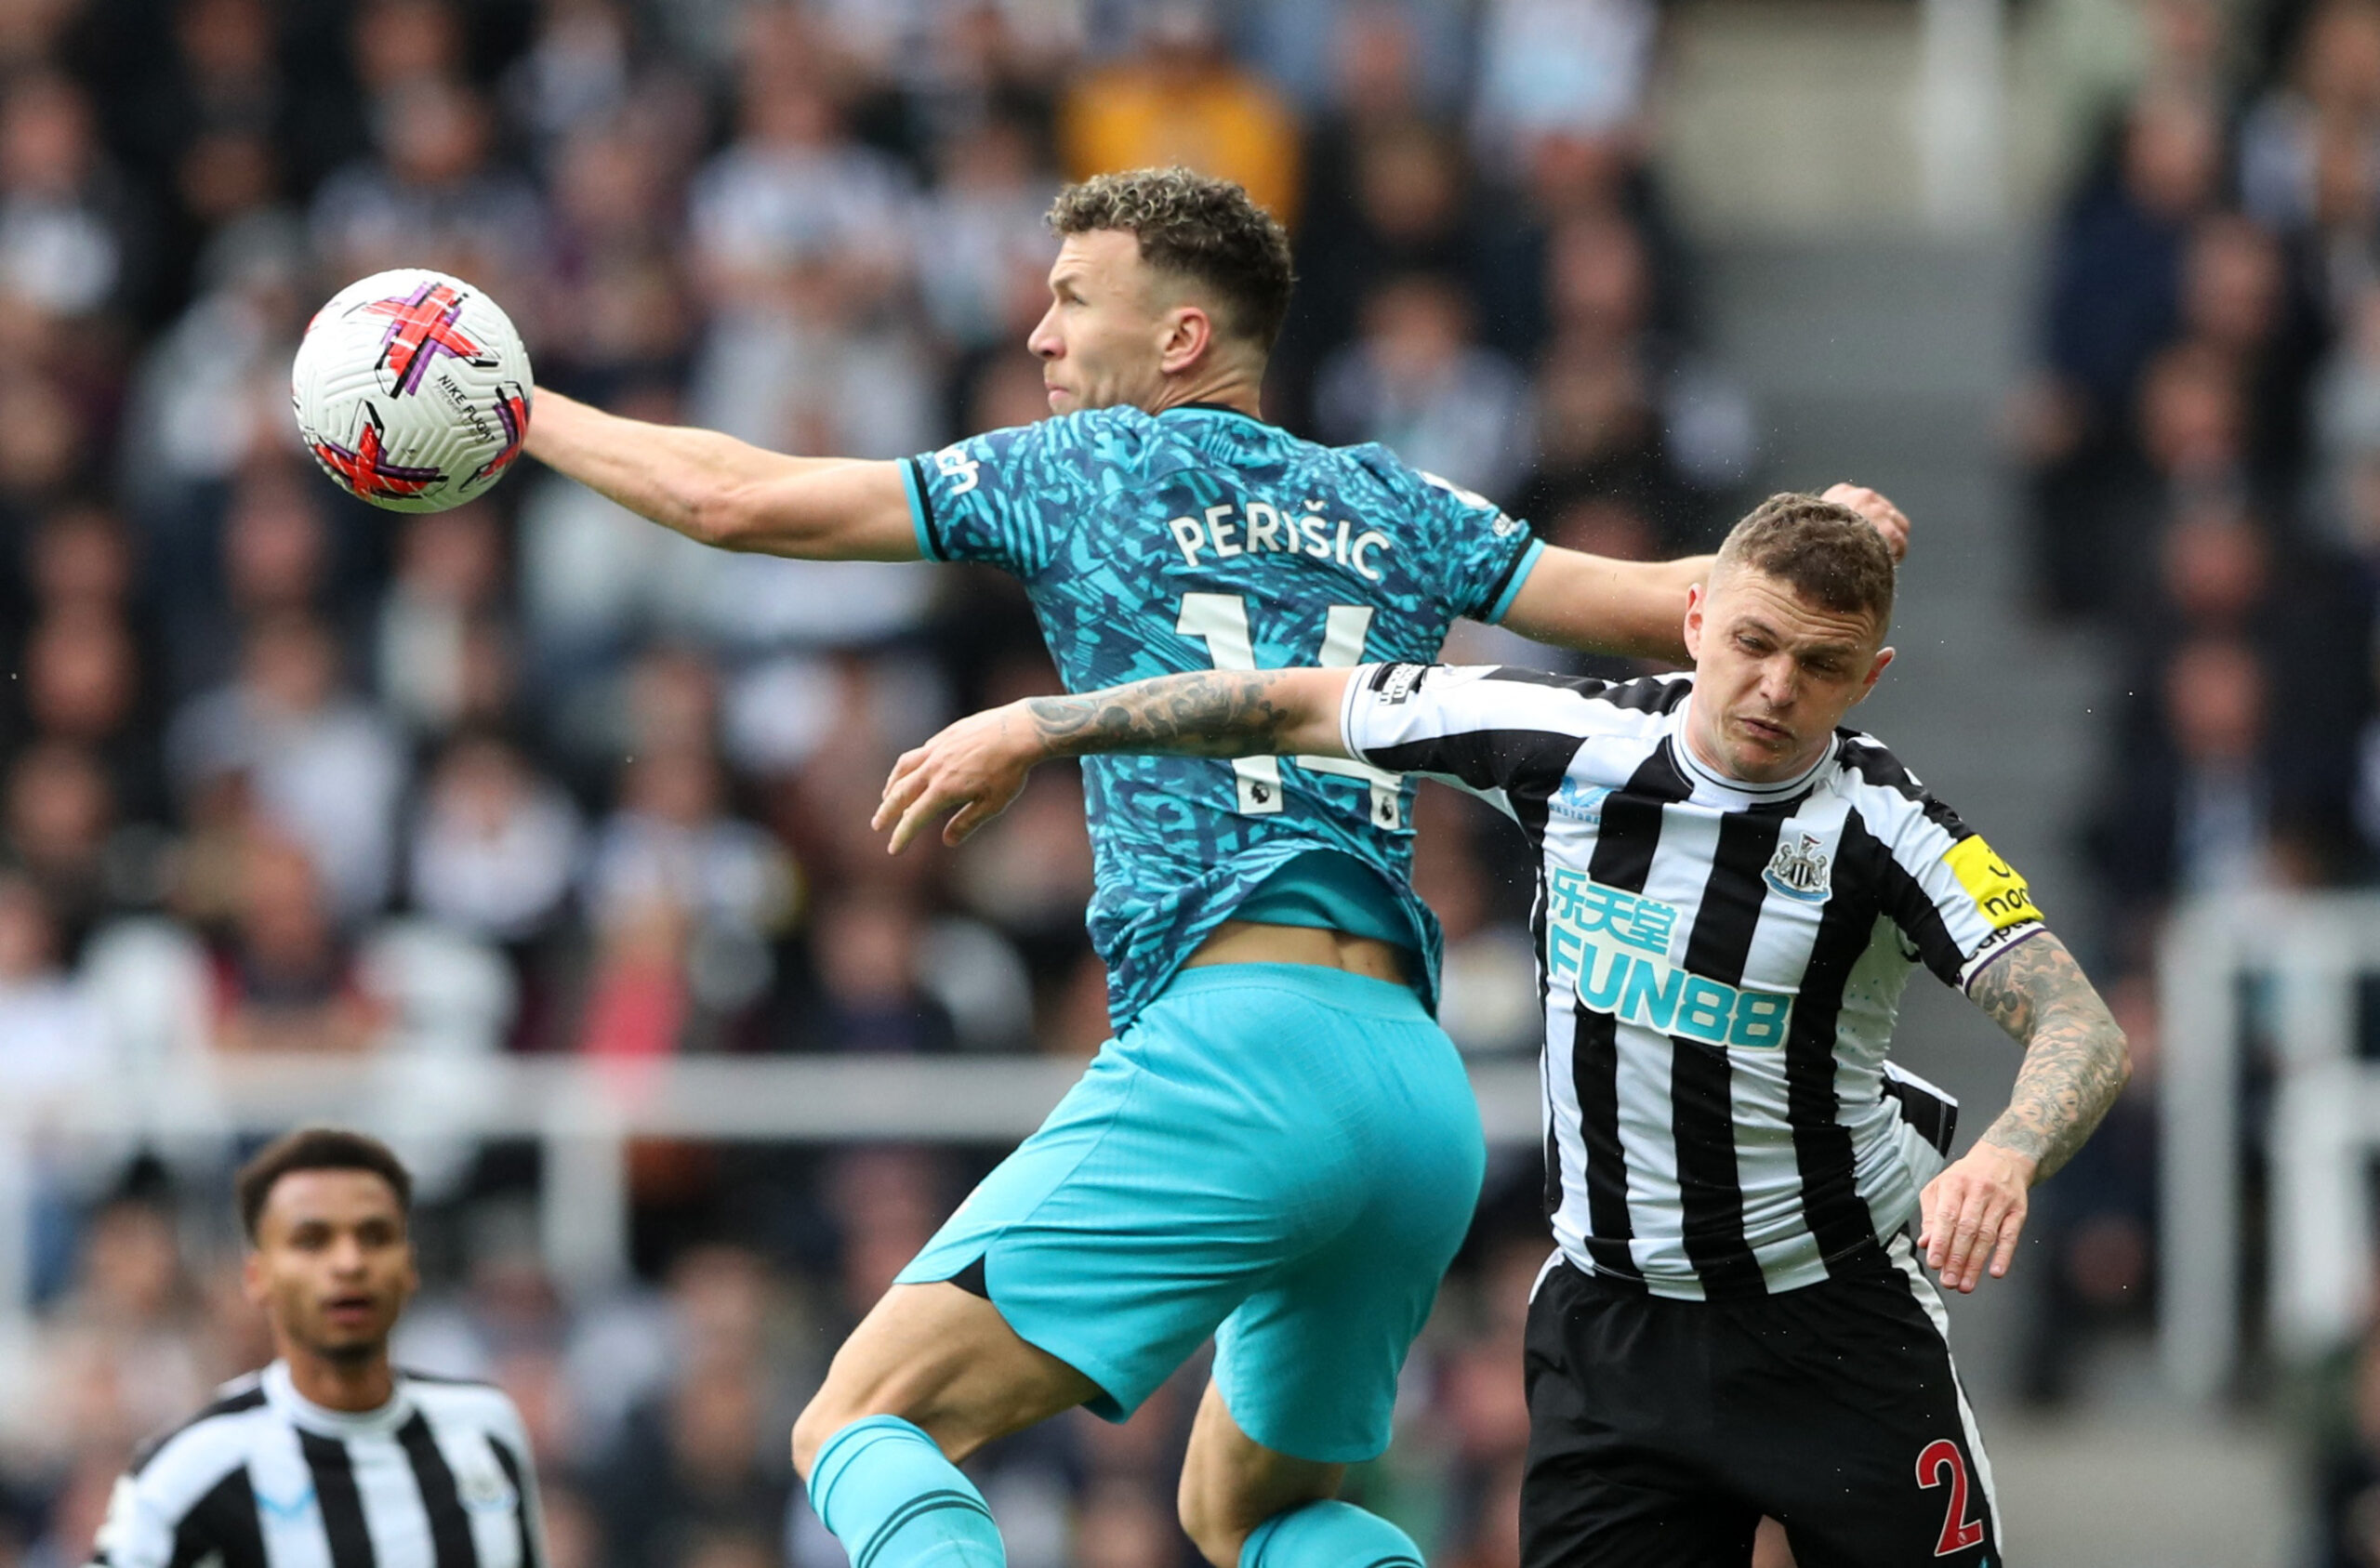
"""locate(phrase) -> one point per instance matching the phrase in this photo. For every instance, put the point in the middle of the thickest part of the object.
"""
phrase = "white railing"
(580, 1113)
(2287, 968)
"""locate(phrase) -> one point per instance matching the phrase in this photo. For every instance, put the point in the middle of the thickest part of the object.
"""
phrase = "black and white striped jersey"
(439, 1477)
(1722, 965)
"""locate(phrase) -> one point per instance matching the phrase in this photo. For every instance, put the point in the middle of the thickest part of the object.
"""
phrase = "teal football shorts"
(1282, 1155)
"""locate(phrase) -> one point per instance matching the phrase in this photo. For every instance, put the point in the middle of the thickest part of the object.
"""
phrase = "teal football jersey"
(1200, 538)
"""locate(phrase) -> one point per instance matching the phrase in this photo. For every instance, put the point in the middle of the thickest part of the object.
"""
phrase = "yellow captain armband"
(2000, 894)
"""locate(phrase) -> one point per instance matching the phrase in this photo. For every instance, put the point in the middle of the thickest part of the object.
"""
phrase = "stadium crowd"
(2202, 451)
(278, 767)
(283, 765)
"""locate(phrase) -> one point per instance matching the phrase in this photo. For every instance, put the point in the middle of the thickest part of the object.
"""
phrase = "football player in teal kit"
(1279, 1147)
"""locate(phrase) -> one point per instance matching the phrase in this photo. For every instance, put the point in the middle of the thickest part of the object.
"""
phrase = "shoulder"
(463, 1399)
(193, 1455)
(1522, 695)
(1066, 442)
(1417, 487)
(1646, 693)
(1643, 703)
(1888, 796)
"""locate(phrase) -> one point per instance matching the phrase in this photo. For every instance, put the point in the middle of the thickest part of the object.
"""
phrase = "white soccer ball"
(412, 390)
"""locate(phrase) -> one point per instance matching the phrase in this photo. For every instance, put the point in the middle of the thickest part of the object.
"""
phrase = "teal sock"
(889, 1497)
(1328, 1534)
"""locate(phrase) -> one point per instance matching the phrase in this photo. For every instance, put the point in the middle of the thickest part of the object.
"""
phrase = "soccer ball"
(412, 390)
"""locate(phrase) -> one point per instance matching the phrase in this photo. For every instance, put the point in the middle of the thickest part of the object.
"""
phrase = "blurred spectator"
(1392, 196)
(576, 70)
(396, 43)
(2115, 284)
(1575, 66)
(2330, 101)
(686, 901)
(80, 557)
(60, 817)
(2199, 807)
(212, 394)
(1354, 56)
(2113, 300)
(208, 129)
(1125, 1523)
(69, 241)
(448, 579)
(320, 765)
(120, 1358)
(1416, 381)
(51, 1036)
(285, 978)
(47, 439)
(1179, 99)
(81, 685)
(2236, 296)
(263, 547)
(616, 309)
(671, 842)
(1029, 874)
(982, 246)
(435, 194)
(700, 1459)
(594, 579)
(868, 943)
(494, 847)
(2347, 422)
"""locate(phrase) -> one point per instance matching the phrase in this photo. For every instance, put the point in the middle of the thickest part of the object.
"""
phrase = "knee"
(1218, 1517)
(1213, 1527)
(819, 1420)
(1316, 1531)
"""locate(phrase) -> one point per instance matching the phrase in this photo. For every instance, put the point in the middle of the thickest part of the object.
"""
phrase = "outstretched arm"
(979, 764)
(724, 492)
(2075, 1065)
(1591, 602)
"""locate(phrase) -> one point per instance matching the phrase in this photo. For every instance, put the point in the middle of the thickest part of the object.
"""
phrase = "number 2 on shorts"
(1942, 1464)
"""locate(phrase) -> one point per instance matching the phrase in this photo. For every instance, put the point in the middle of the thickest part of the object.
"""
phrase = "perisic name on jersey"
(1257, 527)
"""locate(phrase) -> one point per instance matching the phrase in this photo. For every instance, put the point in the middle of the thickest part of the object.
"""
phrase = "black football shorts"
(1660, 1431)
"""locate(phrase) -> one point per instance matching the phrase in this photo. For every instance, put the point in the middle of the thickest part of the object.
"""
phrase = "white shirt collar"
(281, 1392)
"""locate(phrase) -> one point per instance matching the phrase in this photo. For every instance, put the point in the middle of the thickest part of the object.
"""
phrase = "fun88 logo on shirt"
(1612, 948)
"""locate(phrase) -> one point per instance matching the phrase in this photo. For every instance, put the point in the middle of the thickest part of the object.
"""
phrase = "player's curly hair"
(1830, 555)
(1194, 226)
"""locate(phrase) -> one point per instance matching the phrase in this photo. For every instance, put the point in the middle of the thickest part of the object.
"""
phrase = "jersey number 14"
(1220, 620)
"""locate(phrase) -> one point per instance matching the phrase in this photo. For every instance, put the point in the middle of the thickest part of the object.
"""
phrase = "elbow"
(719, 516)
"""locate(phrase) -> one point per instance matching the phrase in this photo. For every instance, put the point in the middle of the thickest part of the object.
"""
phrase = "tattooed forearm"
(2075, 1060)
(1225, 713)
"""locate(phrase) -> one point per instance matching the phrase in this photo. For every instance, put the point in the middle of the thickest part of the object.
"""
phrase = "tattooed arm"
(2075, 1065)
(978, 765)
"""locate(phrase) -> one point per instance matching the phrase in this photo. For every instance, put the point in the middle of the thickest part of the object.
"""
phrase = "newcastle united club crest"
(1799, 869)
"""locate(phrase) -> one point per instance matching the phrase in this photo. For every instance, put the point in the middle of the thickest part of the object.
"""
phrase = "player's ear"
(1884, 657)
(1186, 333)
(252, 1285)
(1695, 596)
